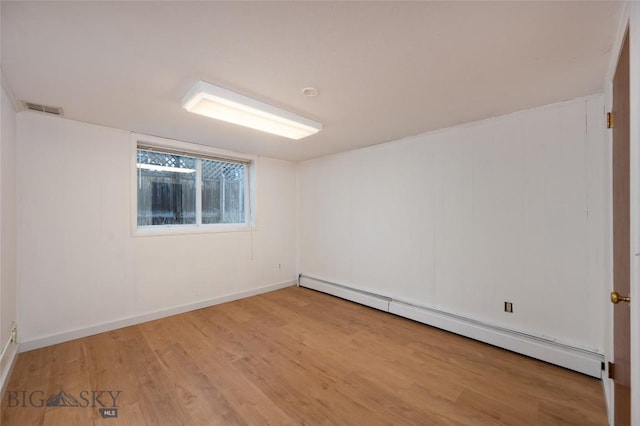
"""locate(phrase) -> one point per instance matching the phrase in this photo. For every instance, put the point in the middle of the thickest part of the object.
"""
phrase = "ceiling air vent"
(42, 108)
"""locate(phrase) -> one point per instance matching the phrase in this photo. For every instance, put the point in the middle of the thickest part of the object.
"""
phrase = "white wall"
(507, 209)
(80, 269)
(8, 218)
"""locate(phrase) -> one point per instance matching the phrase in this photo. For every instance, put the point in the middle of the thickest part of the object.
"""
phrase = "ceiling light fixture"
(222, 104)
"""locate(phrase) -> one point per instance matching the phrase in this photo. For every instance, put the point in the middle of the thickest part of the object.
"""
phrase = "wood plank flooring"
(293, 356)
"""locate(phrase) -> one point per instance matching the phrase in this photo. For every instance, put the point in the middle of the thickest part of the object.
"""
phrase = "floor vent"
(42, 108)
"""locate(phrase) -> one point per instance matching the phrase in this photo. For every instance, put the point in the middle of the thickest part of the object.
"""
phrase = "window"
(176, 188)
(223, 188)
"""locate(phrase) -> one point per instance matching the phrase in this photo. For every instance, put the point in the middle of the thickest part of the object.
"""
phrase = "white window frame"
(202, 151)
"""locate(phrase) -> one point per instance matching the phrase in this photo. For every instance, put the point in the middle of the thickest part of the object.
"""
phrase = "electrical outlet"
(14, 334)
(508, 307)
(279, 266)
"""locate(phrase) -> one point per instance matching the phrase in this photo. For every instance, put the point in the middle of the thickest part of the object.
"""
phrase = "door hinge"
(611, 120)
(611, 370)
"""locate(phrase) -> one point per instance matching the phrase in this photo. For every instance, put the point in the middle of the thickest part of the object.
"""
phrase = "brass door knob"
(616, 298)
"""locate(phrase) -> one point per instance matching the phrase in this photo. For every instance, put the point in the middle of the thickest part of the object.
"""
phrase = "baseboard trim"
(608, 401)
(550, 351)
(66, 336)
(5, 374)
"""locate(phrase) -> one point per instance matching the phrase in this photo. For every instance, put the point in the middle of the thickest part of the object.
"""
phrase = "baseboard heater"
(8, 356)
(577, 359)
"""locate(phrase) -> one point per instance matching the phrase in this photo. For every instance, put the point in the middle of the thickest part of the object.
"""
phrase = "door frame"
(630, 18)
(634, 111)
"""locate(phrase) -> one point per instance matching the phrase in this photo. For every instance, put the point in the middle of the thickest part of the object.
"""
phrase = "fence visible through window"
(167, 185)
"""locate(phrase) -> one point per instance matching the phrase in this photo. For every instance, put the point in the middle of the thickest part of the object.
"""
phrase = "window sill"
(163, 230)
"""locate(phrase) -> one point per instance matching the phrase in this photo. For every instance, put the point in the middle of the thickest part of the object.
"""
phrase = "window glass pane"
(223, 188)
(166, 189)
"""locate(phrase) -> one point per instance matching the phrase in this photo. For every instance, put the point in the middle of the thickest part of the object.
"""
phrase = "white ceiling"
(385, 70)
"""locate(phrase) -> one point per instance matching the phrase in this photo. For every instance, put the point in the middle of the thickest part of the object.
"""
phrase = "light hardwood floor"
(295, 356)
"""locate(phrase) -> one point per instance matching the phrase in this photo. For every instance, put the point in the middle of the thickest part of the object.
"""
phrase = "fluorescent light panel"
(158, 168)
(222, 104)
